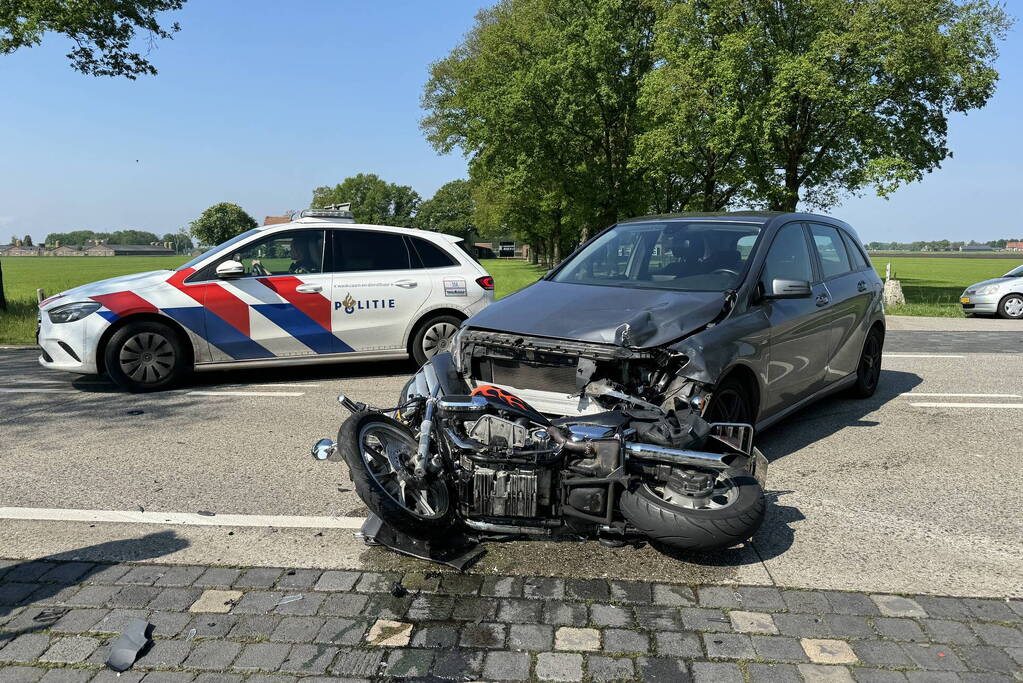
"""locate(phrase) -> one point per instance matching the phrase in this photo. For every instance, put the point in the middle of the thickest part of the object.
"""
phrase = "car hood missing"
(594, 314)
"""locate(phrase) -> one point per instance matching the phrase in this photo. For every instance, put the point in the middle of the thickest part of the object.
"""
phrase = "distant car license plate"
(964, 299)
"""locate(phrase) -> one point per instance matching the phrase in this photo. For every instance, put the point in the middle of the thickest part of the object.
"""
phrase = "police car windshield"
(679, 255)
(234, 240)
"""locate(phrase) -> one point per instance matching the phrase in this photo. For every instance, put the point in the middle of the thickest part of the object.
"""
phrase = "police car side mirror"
(230, 269)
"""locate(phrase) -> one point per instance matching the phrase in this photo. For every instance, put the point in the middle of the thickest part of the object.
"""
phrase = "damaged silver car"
(617, 397)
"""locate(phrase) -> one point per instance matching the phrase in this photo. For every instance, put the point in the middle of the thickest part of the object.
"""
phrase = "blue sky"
(260, 106)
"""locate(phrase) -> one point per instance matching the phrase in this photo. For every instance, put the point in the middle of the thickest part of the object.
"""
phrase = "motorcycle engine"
(511, 478)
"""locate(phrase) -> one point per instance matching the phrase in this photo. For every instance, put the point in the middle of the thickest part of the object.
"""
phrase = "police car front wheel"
(145, 356)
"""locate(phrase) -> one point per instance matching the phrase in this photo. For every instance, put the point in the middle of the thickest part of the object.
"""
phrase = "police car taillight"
(486, 283)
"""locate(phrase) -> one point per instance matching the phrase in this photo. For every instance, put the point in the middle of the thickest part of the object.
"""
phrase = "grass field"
(932, 286)
(24, 274)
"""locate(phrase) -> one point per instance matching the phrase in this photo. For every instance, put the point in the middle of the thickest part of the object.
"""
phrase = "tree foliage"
(542, 97)
(450, 210)
(374, 200)
(103, 31)
(220, 223)
(822, 98)
(27, 241)
(574, 113)
(180, 241)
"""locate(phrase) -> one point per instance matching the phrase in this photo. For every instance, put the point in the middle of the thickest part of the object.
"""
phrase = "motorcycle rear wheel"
(377, 450)
(694, 529)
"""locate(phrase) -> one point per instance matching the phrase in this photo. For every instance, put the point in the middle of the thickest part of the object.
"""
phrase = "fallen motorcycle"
(456, 466)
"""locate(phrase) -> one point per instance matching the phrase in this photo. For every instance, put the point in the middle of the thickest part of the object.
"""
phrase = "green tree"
(542, 96)
(27, 240)
(450, 210)
(180, 241)
(374, 200)
(132, 237)
(833, 96)
(102, 31)
(220, 223)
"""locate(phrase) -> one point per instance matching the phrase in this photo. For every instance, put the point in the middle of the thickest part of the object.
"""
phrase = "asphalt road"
(915, 490)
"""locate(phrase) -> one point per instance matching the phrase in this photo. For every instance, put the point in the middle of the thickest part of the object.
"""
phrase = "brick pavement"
(260, 625)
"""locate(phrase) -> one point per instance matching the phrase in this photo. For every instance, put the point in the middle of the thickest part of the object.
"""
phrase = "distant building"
(502, 249)
(23, 251)
(976, 247)
(276, 220)
(129, 250)
(1014, 246)
(64, 250)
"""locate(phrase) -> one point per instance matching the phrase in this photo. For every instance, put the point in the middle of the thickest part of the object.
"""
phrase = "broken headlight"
(69, 313)
(456, 349)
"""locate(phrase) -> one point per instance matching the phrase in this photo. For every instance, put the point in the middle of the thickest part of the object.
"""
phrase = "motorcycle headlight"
(987, 289)
(69, 313)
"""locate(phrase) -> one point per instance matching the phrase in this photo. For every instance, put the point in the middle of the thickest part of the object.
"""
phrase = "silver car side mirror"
(230, 269)
(787, 289)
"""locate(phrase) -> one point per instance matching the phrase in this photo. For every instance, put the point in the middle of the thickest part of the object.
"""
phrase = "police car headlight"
(69, 313)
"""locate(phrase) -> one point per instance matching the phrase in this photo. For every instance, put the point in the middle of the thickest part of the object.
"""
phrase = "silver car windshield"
(1015, 272)
(223, 245)
(691, 256)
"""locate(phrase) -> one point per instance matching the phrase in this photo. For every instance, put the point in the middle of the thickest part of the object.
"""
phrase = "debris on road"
(126, 647)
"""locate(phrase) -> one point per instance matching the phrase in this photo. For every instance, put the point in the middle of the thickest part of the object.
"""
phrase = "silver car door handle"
(407, 284)
(309, 289)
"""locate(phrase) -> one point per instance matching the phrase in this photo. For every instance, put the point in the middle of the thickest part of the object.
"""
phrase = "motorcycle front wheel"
(730, 516)
(379, 452)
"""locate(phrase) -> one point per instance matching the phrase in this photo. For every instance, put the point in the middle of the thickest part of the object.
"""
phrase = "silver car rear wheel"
(433, 337)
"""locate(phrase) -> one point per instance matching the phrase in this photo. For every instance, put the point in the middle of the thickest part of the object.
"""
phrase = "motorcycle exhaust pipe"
(679, 457)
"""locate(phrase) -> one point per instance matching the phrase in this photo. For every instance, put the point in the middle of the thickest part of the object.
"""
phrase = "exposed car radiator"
(558, 377)
(504, 493)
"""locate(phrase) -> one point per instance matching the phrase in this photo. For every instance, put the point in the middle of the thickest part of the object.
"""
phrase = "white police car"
(318, 289)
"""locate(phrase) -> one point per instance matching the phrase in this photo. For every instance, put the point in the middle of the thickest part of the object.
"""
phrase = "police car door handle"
(309, 289)
(407, 284)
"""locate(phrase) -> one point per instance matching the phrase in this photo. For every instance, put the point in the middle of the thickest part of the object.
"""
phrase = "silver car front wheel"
(1011, 307)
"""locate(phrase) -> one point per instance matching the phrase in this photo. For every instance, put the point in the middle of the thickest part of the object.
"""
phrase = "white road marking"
(180, 518)
(245, 393)
(39, 381)
(280, 384)
(923, 393)
(967, 405)
(921, 355)
(41, 390)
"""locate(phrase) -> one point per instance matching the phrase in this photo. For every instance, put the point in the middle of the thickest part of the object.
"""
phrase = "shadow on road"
(832, 414)
(99, 384)
(43, 580)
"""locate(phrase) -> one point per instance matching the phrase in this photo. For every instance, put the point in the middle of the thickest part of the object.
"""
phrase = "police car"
(318, 289)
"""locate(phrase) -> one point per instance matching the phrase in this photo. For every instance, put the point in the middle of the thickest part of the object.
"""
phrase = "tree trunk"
(532, 254)
(556, 239)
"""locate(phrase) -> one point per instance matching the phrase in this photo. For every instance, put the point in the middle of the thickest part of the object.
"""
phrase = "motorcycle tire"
(694, 529)
(373, 493)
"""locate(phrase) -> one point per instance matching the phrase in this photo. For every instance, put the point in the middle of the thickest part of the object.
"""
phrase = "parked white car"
(318, 289)
(1002, 296)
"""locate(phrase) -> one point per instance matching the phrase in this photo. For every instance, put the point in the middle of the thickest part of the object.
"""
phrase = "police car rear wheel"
(146, 356)
(434, 337)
